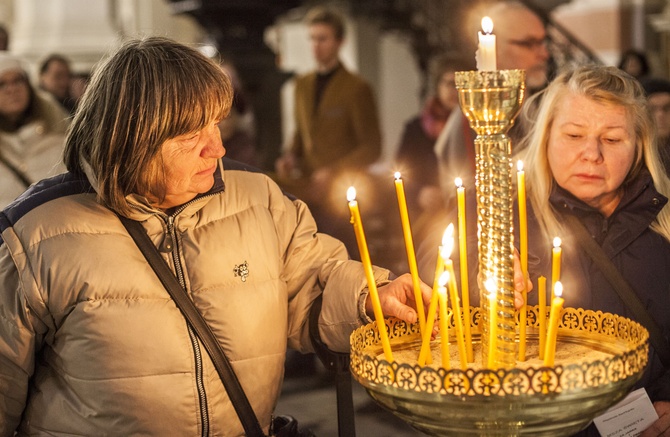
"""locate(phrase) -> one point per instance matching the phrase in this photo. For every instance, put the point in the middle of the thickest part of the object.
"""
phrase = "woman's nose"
(213, 146)
(591, 149)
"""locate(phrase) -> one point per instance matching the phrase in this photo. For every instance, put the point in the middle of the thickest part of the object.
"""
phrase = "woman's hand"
(661, 427)
(397, 299)
(520, 283)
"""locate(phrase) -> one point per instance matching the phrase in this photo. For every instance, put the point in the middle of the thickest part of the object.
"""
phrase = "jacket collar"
(143, 209)
(639, 206)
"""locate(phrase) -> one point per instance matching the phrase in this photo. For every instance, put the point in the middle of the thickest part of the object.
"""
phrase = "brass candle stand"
(599, 358)
(507, 398)
(491, 101)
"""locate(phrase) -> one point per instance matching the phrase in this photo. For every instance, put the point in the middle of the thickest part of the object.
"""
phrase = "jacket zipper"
(171, 238)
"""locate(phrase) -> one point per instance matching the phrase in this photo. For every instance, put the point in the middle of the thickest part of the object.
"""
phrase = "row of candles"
(445, 286)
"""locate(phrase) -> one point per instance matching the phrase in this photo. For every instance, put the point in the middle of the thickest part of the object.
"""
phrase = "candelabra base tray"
(599, 357)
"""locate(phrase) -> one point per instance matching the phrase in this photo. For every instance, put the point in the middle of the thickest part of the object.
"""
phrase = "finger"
(518, 300)
(395, 308)
(519, 280)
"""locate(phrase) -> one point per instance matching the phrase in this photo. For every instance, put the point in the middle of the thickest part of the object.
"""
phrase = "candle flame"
(351, 194)
(447, 242)
(397, 175)
(487, 25)
(557, 242)
(444, 279)
(558, 289)
(519, 165)
(458, 182)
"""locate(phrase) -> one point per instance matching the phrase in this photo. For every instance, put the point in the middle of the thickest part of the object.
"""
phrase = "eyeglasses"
(19, 80)
(530, 43)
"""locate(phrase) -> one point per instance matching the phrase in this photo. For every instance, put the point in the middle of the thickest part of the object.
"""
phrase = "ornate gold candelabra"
(599, 356)
(491, 101)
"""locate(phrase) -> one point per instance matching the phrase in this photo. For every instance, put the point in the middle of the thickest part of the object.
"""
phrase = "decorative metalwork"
(536, 400)
(491, 100)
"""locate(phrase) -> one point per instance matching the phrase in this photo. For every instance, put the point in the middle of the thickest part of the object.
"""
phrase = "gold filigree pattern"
(567, 377)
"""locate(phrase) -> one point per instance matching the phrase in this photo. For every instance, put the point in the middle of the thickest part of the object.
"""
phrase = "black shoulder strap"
(621, 286)
(199, 325)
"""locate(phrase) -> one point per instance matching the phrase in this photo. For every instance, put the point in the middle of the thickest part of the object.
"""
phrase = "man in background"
(55, 77)
(337, 130)
(521, 44)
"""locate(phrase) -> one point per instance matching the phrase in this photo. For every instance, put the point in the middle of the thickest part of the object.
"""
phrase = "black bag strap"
(339, 364)
(622, 287)
(232, 385)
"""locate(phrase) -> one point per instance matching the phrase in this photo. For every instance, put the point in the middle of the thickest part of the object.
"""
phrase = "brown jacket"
(343, 132)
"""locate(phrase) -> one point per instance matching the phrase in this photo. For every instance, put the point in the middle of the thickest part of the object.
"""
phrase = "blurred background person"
(521, 44)
(658, 98)
(55, 77)
(337, 130)
(635, 63)
(32, 131)
(4, 38)
(78, 85)
(415, 157)
(238, 128)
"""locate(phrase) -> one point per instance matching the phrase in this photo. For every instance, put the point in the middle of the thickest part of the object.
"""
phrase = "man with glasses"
(521, 44)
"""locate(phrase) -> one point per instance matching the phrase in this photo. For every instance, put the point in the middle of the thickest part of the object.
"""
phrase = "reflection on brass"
(525, 399)
(491, 100)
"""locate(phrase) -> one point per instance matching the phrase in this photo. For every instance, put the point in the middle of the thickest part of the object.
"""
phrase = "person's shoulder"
(41, 193)
(352, 78)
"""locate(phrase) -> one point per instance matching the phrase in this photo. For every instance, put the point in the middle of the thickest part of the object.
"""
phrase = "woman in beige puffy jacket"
(90, 341)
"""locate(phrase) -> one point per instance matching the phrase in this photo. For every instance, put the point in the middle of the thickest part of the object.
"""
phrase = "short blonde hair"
(149, 91)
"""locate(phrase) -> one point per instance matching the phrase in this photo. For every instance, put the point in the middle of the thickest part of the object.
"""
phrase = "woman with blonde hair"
(592, 162)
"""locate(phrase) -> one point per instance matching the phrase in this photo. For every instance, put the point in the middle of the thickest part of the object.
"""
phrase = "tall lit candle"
(409, 248)
(556, 262)
(453, 295)
(424, 353)
(444, 325)
(463, 249)
(554, 318)
(367, 266)
(490, 286)
(542, 304)
(486, 50)
(523, 254)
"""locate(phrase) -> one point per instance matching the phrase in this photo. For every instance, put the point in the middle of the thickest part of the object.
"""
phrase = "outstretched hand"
(397, 299)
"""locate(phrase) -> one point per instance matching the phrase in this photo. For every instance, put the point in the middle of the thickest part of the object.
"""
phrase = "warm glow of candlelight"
(351, 194)
(490, 286)
(487, 25)
(554, 319)
(556, 262)
(447, 242)
(444, 326)
(463, 253)
(409, 249)
(486, 50)
(369, 274)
